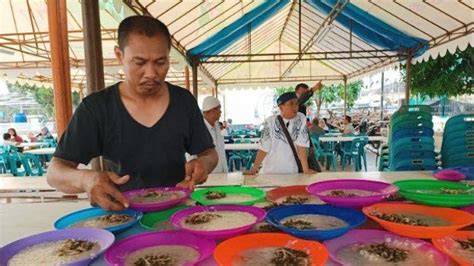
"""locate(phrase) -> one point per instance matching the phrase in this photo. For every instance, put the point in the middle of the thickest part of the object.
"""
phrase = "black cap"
(286, 97)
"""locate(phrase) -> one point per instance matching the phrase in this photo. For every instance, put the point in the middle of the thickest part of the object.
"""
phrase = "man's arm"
(256, 165)
(305, 97)
(301, 151)
(198, 169)
(99, 186)
(209, 159)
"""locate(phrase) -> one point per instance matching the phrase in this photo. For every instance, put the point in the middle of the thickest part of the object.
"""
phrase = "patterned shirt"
(280, 158)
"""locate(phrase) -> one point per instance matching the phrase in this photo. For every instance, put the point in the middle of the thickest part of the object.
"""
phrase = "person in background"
(229, 126)
(31, 137)
(14, 136)
(348, 128)
(274, 151)
(315, 128)
(322, 124)
(211, 111)
(7, 139)
(303, 92)
(44, 134)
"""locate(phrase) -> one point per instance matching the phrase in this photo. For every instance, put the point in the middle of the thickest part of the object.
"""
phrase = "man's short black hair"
(348, 118)
(143, 25)
(301, 85)
(7, 136)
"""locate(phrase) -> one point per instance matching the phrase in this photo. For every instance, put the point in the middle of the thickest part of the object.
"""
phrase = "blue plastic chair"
(32, 165)
(356, 152)
(328, 156)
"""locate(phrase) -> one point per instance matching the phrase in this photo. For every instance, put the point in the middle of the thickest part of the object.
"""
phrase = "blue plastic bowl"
(72, 218)
(351, 216)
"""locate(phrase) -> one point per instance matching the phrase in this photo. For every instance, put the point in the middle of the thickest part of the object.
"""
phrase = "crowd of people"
(12, 138)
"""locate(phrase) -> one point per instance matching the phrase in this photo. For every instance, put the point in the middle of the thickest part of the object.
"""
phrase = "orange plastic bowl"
(457, 218)
(447, 243)
(280, 192)
(228, 250)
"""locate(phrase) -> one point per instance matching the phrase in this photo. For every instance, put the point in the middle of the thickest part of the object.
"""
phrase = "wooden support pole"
(92, 46)
(408, 78)
(195, 77)
(186, 78)
(93, 56)
(58, 35)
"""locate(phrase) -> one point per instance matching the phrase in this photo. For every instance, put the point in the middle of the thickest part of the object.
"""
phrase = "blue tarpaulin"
(366, 26)
(238, 29)
(371, 29)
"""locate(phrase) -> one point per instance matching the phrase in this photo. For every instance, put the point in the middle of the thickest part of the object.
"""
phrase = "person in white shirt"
(211, 111)
(274, 151)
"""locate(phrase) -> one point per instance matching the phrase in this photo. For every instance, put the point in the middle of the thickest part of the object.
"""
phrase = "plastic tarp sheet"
(370, 28)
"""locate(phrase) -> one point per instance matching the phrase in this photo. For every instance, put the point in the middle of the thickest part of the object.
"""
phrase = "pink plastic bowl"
(178, 217)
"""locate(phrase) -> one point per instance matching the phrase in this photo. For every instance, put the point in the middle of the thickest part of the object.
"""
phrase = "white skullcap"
(210, 103)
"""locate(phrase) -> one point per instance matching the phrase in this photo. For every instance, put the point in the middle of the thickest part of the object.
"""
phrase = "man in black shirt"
(142, 126)
(303, 92)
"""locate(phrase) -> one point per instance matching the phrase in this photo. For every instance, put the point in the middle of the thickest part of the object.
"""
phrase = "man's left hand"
(196, 173)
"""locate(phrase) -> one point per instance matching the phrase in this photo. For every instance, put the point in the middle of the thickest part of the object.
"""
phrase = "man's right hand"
(250, 172)
(101, 189)
(317, 86)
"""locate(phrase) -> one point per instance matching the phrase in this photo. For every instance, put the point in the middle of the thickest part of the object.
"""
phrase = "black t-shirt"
(153, 156)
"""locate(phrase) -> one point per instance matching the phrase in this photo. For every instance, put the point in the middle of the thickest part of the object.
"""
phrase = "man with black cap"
(303, 92)
(282, 148)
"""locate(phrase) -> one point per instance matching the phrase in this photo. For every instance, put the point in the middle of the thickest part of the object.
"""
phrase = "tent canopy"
(252, 41)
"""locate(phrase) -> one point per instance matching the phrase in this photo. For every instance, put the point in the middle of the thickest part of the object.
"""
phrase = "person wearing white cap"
(211, 110)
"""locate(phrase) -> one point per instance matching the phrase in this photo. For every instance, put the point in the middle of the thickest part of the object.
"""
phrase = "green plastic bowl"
(149, 220)
(410, 189)
(257, 194)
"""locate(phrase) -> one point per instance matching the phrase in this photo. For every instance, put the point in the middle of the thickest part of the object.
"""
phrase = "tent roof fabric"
(260, 41)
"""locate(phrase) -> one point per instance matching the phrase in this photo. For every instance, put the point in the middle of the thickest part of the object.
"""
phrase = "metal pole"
(408, 78)
(299, 26)
(345, 95)
(381, 98)
(195, 77)
(186, 77)
(57, 22)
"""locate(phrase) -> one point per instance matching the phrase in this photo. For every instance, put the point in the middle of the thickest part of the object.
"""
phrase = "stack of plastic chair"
(411, 139)
(457, 148)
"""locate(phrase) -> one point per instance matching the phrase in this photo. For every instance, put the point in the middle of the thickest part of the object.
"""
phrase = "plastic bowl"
(447, 243)
(352, 217)
(280, 192)
(382, 189)
(118, 252)
(72, 218)
(469, 209)
(257, 194)
(457, 218)
(449, 175)
(104, 238)
(149, 220)
(228, 250)
(154, 206)
(178, 217)
(370, 236)
(410, 190)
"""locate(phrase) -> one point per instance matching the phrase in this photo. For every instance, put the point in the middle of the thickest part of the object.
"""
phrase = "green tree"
(42, 95)
(449, 75)
(335, 92)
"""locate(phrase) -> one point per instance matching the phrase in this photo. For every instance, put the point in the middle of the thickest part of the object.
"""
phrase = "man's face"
(289, 109)
(145, 62)
(215, 113)
(300, 90)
